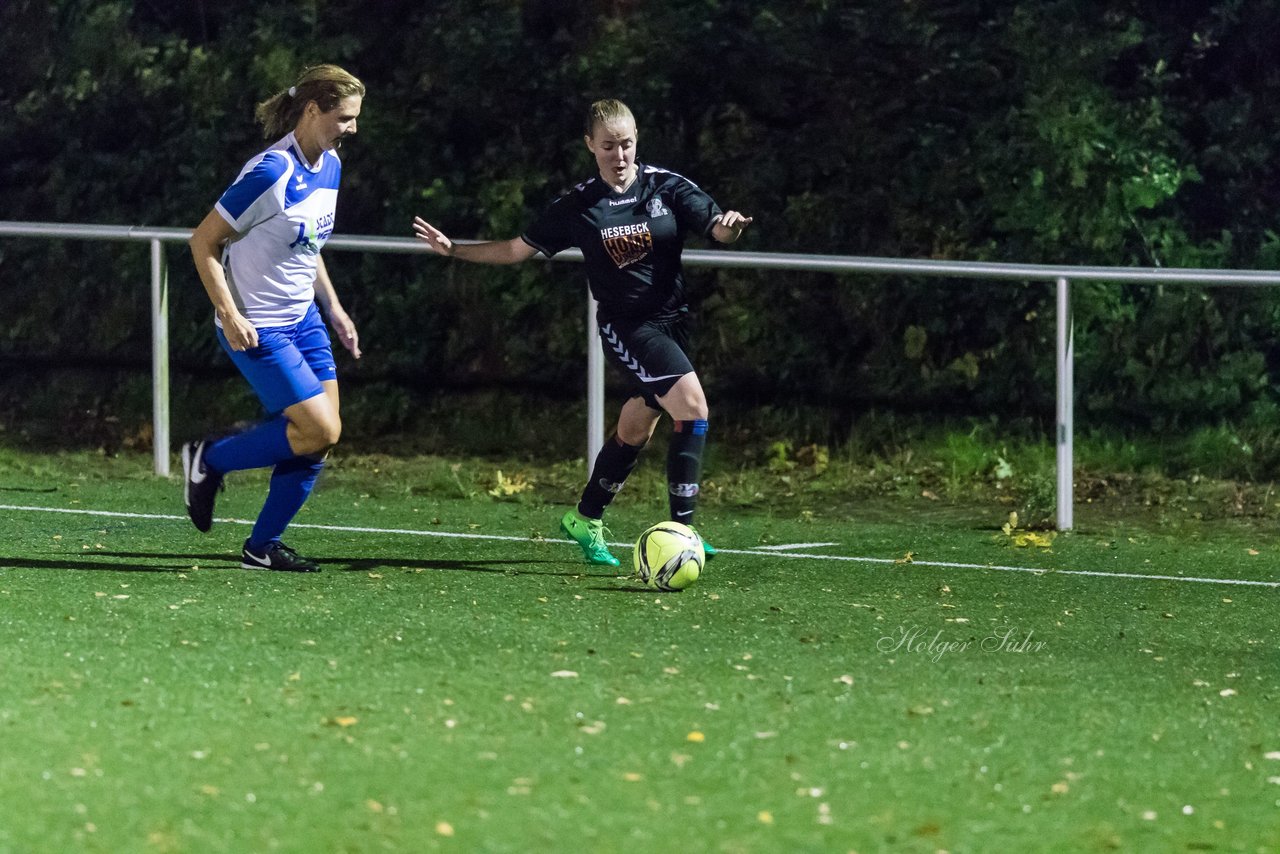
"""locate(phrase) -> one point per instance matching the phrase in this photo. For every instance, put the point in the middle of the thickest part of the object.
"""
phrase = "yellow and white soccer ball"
(669, 556)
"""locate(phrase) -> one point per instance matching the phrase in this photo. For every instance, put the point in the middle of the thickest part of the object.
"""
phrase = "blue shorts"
(290, 362)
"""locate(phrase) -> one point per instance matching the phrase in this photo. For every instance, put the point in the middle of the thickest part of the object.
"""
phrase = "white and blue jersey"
(282, 209)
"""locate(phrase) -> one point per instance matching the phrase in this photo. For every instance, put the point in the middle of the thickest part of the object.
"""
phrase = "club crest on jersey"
(657, 209)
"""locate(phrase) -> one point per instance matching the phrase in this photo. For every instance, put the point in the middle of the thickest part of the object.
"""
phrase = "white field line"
(792, 546)
(1239, 582)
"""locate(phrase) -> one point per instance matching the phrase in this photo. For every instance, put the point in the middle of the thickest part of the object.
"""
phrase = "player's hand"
(433, 236)
(731, 226)
(239, 332)
(345, 329)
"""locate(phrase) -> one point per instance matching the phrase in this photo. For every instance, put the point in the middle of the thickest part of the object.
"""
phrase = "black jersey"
(631, 241)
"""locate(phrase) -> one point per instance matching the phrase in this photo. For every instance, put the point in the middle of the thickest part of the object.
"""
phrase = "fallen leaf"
(906, 558)
(695, 737)
(764, 817)
(510, 486)
(444, 828)
(344, 721)
(1031, 538)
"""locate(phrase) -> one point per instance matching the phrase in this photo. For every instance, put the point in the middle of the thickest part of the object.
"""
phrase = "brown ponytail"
(324, 84)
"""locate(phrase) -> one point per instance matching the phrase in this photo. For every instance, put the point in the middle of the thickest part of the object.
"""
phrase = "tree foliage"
(1031, 132)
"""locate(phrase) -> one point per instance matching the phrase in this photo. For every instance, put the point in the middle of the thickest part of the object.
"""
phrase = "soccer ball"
(669, 556)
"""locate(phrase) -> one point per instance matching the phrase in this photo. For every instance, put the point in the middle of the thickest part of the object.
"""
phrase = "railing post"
(595, 386)
(160, 358)
(1066, 398)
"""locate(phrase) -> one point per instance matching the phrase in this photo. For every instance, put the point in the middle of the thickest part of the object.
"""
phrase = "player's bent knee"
(689, 410)
(331, 435)
(637, 440)
(315, 439)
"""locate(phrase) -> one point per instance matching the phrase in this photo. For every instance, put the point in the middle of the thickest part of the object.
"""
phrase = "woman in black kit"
(630, 222)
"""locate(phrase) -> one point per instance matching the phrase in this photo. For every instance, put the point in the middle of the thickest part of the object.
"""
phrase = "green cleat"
(588, 533)
(707, 549)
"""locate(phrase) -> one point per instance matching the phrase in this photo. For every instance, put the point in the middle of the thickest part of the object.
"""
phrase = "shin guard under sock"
(258, 447)
(614, 462)
(291, 483)
(684, 467)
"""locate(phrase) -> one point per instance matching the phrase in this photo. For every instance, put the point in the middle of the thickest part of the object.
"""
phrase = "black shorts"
(651, 353)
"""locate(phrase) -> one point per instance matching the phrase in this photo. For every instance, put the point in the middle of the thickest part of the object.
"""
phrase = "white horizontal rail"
(723, 258)
(1062, 275)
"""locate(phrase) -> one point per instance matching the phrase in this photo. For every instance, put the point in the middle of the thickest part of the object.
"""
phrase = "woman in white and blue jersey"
(630, 221)
(258, 256)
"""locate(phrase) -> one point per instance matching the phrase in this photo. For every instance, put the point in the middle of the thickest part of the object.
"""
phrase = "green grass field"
(898, 676)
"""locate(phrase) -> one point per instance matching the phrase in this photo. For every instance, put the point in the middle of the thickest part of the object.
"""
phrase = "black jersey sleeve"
(551, 232)
(695, 210)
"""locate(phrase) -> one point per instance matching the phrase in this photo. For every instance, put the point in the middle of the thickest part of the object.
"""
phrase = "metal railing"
(1062, 276)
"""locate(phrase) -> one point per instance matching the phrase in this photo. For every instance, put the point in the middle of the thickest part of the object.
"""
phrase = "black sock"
(684, 467)
(614, 462)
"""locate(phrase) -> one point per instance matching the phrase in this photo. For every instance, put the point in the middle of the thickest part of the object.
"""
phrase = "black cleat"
(201, 484)
(276, 556)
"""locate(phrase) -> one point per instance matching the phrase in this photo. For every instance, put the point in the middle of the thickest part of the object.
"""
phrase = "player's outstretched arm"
(511, 251)
(730, 226)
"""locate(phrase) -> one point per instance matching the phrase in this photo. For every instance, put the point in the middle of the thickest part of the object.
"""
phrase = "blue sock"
(291, 483)
(258, 447)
